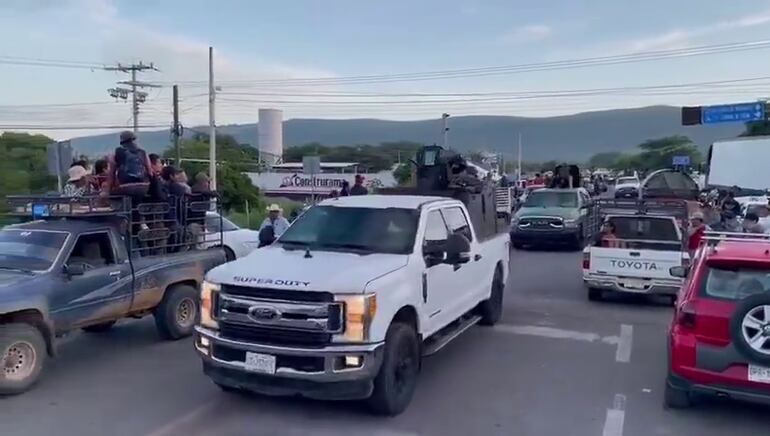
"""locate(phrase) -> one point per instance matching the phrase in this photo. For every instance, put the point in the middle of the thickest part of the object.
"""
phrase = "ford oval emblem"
(264, 313)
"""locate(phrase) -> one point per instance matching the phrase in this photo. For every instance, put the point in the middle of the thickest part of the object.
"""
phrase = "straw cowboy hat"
(274, 208)
(76, 173)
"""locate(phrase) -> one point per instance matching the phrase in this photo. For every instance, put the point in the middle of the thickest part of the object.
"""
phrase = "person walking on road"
(358, 186)
(275, 220)
(697, 231)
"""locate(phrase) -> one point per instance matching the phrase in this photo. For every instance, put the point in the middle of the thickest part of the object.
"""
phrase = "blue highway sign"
(726, 113)
(681, 161)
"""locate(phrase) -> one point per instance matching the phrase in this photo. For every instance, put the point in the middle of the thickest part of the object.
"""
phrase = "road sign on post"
(740, 112)
(681, 161)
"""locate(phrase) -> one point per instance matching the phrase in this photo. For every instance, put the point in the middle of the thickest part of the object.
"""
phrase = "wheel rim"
(18, 361)
(185, 313)
(404, 371)
(755, 329)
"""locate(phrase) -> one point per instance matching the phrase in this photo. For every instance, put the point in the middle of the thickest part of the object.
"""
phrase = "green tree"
(235, 187)
(659, 153)
(604, 160)
(757, 128)
(23, 166)
(403, 174)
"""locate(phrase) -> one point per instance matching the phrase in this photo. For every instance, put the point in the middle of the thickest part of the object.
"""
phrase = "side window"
(93, 250)
(435, 229)
(456, 221)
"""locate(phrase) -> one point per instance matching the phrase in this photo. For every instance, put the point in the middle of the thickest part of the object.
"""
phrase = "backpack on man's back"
(131, 165)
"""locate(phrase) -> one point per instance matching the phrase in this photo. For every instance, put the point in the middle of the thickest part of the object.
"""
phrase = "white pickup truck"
(348, 300)
(638, 259)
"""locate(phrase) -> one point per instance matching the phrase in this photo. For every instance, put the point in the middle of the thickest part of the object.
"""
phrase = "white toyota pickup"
(638, 259)
(349, 299)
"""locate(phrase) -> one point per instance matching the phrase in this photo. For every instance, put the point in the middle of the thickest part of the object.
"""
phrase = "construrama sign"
(306, 181)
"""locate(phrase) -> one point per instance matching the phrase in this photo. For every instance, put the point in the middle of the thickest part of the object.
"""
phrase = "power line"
(506, 69)
(71, 127)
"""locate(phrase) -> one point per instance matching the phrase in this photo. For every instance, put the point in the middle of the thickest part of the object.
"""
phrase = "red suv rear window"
(728, 283)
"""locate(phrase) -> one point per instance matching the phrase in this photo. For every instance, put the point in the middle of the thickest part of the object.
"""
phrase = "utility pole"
(212, 124)
(177, 129)
(518, 169)
(445, 118)
(137, 96)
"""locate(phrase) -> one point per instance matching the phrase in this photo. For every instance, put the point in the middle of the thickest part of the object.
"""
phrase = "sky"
(296, 55)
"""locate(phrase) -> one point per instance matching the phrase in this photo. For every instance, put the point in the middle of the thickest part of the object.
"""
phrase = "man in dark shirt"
(358, 186)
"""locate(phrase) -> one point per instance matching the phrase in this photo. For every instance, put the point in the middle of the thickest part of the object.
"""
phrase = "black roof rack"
(651, 207)
(54, 207)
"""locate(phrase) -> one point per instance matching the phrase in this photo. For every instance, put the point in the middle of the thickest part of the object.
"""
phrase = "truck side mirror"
(458, 249)
(75, 269)
(434, 253)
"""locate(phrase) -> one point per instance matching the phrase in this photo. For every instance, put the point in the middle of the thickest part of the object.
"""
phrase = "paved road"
(557, 365)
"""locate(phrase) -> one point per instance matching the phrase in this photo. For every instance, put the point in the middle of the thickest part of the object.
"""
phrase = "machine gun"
(442, 173)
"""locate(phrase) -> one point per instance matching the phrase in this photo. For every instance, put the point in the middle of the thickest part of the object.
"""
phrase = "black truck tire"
(177, 313)
(491, 309)
(676, 398)
(595, 294)
(23, 354)
(745, 306)
(99, 328)
(395, 384)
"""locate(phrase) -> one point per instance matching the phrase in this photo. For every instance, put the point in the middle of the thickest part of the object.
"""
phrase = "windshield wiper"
(23, 270)
(349, 246)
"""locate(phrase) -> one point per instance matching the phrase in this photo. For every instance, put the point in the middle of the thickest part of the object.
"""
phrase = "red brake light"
(686, 316)
(586, 260)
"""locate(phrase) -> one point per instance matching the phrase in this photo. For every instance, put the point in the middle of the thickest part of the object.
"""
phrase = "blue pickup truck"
(76, 268)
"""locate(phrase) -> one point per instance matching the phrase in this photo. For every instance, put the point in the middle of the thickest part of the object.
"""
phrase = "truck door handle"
(477, 257)
(635, 254)
(114, 273)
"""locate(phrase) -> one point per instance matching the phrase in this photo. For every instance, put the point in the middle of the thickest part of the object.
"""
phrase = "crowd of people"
(141, 177)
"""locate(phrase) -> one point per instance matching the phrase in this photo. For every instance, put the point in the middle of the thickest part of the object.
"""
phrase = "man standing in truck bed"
(358, 186)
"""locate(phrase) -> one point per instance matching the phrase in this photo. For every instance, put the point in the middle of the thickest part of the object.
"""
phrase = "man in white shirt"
(276, 220)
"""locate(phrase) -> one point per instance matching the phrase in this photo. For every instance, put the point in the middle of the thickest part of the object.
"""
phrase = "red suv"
(719, 341)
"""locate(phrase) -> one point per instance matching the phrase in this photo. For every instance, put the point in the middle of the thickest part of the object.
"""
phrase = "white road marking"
(554, 333)
(613, 425)
(174, 426)
(623, 354)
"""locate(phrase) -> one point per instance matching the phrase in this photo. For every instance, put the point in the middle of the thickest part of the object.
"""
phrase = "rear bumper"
(627, 194)
(737, 393)
(616, 284)
(310, 372)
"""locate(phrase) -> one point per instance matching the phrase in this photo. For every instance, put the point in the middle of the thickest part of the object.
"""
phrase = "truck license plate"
(261, 363)
(636, 285)
(759, 374)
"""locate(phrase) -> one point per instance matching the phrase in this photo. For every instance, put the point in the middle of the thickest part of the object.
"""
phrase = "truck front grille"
(541, 223)
(272, 336)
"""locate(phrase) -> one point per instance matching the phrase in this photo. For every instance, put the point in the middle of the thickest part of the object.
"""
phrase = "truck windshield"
(551, 199)
(645, 228)
(734, 283)
(354, 229)
(29, 250)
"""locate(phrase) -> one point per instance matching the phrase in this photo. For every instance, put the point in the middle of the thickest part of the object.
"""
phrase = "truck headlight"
(359, 313)
(208, 297)
(571, 224)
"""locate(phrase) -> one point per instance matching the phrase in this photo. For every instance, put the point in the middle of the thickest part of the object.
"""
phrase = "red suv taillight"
(586, 260)
(686, 316)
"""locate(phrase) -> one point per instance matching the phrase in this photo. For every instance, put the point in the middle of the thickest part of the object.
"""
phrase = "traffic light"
(691, 115)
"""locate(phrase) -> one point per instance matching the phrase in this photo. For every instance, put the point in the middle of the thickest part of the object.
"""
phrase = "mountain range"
(570, 137)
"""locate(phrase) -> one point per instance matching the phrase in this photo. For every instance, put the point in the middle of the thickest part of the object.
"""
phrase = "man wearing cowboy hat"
(77, 183)
(275, 220)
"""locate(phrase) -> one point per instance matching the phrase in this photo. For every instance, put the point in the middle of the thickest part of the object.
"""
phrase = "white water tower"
(270, 135)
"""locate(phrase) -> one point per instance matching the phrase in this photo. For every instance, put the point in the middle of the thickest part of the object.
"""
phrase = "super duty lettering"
(261, 281)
